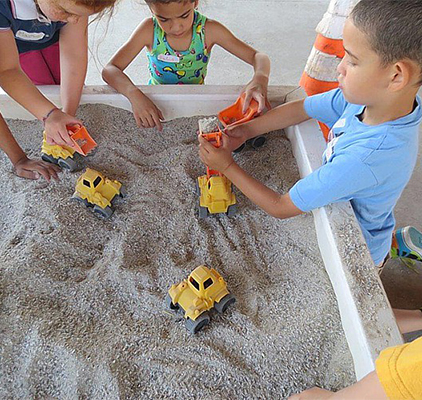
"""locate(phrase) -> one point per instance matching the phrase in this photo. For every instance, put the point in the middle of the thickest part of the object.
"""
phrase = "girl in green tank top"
(179, 40)
(168, 66)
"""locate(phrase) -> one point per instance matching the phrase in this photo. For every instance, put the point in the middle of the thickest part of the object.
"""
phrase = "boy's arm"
(73, 63)
(281, 117)
(275, 204)
(144, 110)
(24, 167)
(217, 33)
(18, 86)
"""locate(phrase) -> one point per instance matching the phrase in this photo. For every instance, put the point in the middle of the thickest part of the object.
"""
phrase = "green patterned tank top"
(168, 66)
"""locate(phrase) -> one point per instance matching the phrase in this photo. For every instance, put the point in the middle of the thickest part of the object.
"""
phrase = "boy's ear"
(403, 73)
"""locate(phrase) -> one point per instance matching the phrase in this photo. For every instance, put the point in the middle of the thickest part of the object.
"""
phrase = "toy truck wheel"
(69, 164)
(203, 212)
(258, 142)
(48, 158)
(169, 303)
(224, 303)
(75, 197)
(104, 212)
(123, 192)
(240, 148)
(232, 210)
(195, 326)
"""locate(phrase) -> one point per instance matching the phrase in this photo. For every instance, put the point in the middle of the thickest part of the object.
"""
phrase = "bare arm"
(73, 63)
(281, 117)
(217, 33)
(15, 82)
(369, 388)
(23, 166)
(20, 88)
(145, 111)
(275, 204)
(113, 72)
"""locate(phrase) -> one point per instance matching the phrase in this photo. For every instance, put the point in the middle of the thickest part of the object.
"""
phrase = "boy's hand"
(56, 131)
(33, 169)
(237, 135)
(315, 393)
(256, 89)
(145, 111)
(216, 158)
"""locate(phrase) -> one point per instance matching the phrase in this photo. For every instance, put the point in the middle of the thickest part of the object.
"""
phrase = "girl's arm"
(217, 33)
(144, 110)
(73, 63)
(18, 86)
(24, 167)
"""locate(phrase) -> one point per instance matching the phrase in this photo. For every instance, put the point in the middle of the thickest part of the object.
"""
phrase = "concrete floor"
(285, 30)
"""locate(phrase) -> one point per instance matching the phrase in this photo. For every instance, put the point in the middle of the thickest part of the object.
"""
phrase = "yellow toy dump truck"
(214, 189)
(204, 289)
(64, 156)
(215, 195)
(93, 189)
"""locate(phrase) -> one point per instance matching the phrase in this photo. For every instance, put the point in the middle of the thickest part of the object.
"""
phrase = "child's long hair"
(167, 1)
(98, 6)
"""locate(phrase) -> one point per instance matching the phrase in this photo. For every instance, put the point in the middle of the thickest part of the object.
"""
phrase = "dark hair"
(393, 28)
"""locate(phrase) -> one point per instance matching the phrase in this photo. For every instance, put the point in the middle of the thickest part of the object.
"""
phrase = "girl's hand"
(33, 169)
(216, 158)
(145, 111)
(256, 89)
(56, 131)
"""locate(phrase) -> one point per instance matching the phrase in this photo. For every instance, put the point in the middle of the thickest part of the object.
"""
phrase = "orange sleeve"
(399, 370)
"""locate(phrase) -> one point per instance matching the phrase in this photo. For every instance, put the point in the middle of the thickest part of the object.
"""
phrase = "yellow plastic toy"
(204, 289)
(214, 189)
(64, 156)
(93, 189)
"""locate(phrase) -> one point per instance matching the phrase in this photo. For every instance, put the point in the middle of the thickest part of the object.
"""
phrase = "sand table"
(82, 299)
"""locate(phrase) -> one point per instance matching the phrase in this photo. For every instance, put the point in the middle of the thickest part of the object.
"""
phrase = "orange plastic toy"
(84, 143)
(233, 114)
(214, 189)
(215, 139)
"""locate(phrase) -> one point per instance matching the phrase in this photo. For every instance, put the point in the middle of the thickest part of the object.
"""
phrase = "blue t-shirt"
(368, 165)
(32, 30)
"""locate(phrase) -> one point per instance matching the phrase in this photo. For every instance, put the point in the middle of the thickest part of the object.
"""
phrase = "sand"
(82, 298)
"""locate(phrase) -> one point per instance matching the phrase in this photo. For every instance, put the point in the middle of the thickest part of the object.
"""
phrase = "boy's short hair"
(393, 28)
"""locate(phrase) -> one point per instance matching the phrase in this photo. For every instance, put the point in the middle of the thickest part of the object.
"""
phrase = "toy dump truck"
(234, 115)
(65, 156)
(93, 189)
(195, 296)
(214, 189)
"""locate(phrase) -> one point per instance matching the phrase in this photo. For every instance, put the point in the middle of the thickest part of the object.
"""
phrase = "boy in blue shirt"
(374, 118)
